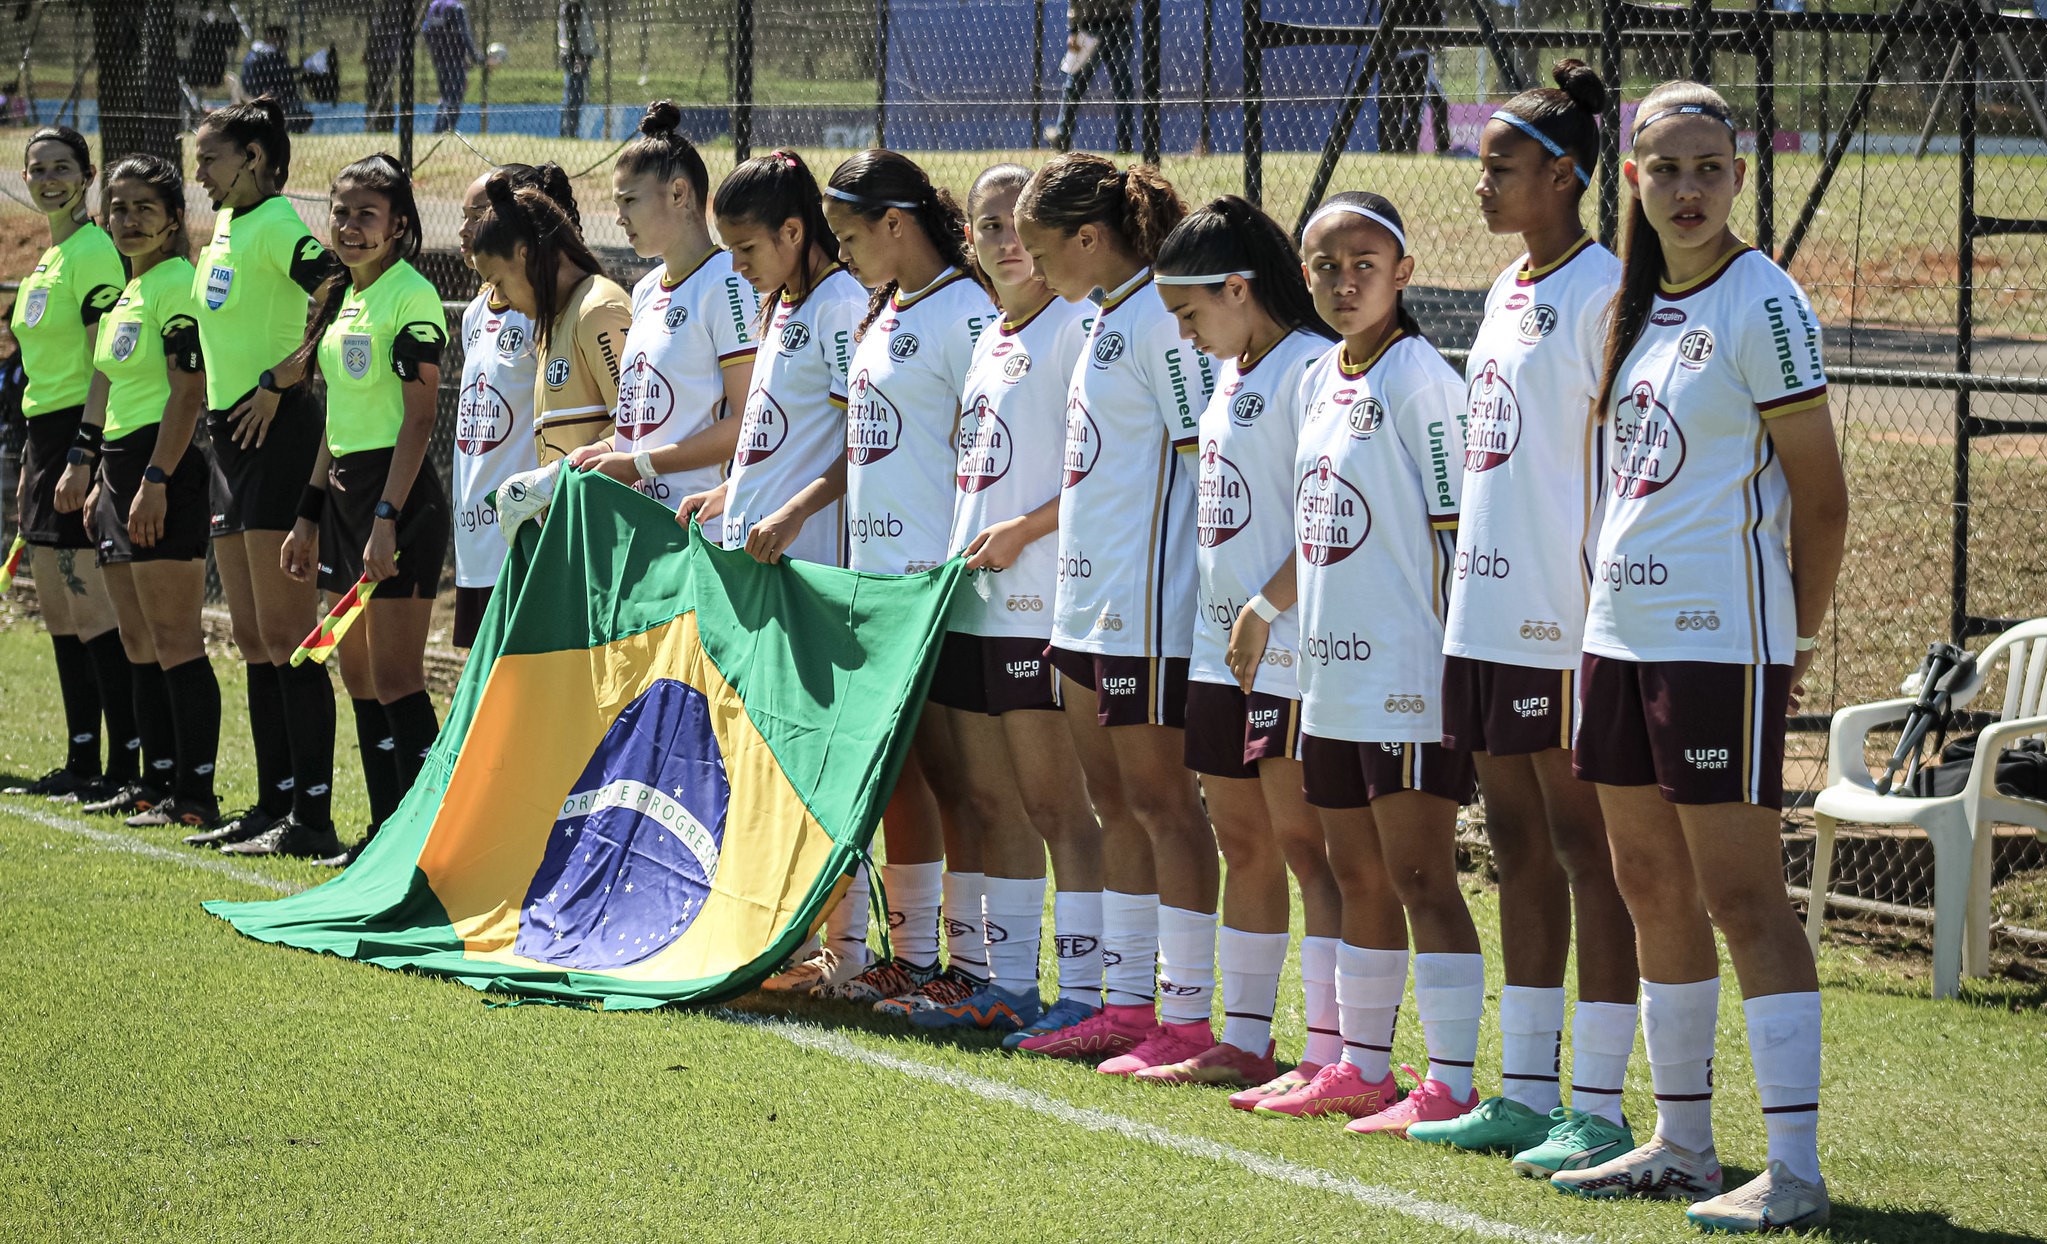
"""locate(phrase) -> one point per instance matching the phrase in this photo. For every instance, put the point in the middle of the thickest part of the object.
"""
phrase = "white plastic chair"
(1957, 826)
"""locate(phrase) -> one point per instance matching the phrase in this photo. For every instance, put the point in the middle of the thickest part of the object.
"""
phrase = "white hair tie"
(1212, 278)
(1331, 209)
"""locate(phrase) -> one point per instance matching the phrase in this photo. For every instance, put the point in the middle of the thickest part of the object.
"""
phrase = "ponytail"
(660, 150)
(767, 190)
(381, 174)
(1137, 204)
(1230, 235)
(523, 214)
(1566, 115)
(256, 123)
(877, 181)
(550, 179)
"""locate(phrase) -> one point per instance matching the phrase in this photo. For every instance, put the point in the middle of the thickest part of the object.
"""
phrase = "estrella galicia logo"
(675, 316)
(903, 345)
(1537, 321)
(557, 372)
(1648, 445)
(1108, 349)
(1245, 410)
(511, 341)
(795, 336)
(635, 847)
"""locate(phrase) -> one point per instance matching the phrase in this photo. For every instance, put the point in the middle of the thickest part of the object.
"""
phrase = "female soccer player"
(1123, 618)
(771, 219)
(152, 500)
(56, 319)
(1517, 608)
(382, 513)
(1027, 792)
(1375, 509)
(529, 250)
(689, 355)
(252, 282)
(906, 240)
(1710, 583)
(495, 411)
(1232, 278)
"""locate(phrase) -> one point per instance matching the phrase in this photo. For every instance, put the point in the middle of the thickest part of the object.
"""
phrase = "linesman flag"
(661, 764)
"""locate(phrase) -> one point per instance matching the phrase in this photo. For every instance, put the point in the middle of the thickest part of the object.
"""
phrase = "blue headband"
(1548, 144)
(1687, 110)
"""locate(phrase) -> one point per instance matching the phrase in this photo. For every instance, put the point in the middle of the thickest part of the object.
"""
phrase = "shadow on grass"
(1919, 1226)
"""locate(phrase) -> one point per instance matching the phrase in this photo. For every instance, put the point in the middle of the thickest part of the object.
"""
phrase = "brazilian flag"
(661, 765)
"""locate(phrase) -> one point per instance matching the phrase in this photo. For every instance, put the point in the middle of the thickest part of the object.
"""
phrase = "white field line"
(824, 1041)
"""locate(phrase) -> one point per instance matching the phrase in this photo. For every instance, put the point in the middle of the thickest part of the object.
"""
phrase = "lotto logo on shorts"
(1331, 516)
(1025, 604)
(1532, 706)
(1406, 704)
(1492, 421)
(1707, 757)
(1649, 447)
(1119, 686)
(1550, 631)
(1698, 620)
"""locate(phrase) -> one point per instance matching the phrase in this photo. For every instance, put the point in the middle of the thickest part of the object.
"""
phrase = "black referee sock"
(272, 738)
(309, 704)
(414, 728)
(379, 759)
(153, 718)
(81, 692)
(195, 715)
(117, 703)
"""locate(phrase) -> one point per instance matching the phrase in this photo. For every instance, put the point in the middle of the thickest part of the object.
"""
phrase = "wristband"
(312, 504)
(1264, 608)
(154, 474)
(1806, 643)
(643, 462)
(89, 438)
(386, 510)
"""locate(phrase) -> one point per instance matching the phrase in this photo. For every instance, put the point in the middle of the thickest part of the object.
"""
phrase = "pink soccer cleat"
(1163, 1046)
(1336, 1089)
(1430, 1102)
(1108, 1032)
(1218, 1064)
(1278, 1086)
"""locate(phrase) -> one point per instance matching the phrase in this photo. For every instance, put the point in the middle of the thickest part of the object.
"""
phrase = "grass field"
(165, 1079)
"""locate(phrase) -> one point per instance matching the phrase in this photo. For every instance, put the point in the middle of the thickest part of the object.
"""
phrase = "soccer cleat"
(944, 989)
(1336, 1089)
(180, 811)
(1163, 1046)
(1575, 1142)
(826, 967)
(992, 1009)
(348, 855)
(1497, 1125)
(1278, 1086)
(1220, 1063)
(1658, 1170)
(240, 828)
(1430, 1102)
(87, 790)
(130, 799)
(1108, 1032)
(884, 978)
(54, 784)
(1775, 1200)
(287, 837)
(1064, 1013)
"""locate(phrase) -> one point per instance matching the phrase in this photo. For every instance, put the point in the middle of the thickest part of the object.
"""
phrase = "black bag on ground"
(2021, 771)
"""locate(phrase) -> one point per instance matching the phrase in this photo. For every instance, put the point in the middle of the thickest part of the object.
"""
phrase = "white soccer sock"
(966, 946)
(914, 892)
(1368, 988)
(1784, 1045)
(1677, 1028)
(1449, 995)
(1186, 965)
(1016, 918)
(1077, 941)
(1318, 995)
(1531, 1038)
(1602, 1039)
(1130, 947)
(845, 929)
(1250, 965)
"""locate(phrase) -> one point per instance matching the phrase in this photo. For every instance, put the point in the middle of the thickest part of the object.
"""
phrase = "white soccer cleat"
(1658, 1170)
(826, 967)
(1775, 1200)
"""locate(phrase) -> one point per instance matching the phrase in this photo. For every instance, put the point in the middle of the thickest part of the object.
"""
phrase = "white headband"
(1353, 209)
(1213, 278)
(861, 200)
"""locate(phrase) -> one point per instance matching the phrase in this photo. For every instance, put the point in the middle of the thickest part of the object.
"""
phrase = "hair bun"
(661, 120)
(1579, 81)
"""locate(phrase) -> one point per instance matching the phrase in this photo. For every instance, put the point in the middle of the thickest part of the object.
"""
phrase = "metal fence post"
(742, 79)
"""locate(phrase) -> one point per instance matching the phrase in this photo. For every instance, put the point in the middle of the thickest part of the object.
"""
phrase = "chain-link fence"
(1897, 152)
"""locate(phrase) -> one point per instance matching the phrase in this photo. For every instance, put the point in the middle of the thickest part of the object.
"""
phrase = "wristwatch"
(154, 474)
(79, 455)
(386, 510)
(643, 462)
(268, 382)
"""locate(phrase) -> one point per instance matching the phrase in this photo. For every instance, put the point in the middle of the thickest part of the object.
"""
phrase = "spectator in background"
(1098, 30)
(267, 70)
(576, 41)
(390, 24)
(448, 43)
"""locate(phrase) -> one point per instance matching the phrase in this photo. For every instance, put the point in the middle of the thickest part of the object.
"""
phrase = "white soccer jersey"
(1693, 561)
(1126, 514)
(1375, 503)
(1532, 456)
(902, 414)
(1244, 526)
(493, 430)
(795, 419)
(685, 333)
(1012, 450)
